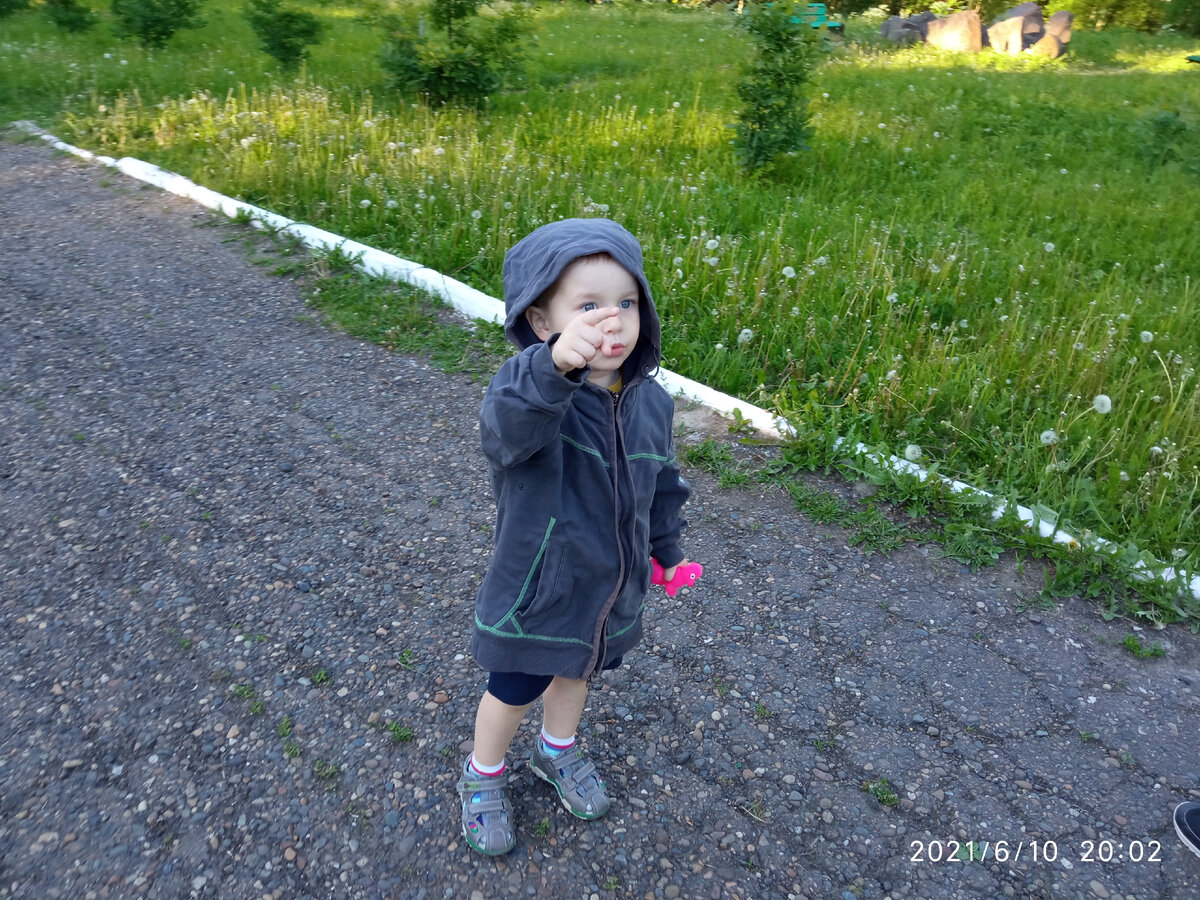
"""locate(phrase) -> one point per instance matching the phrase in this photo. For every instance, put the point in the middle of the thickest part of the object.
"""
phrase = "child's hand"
(583, 338)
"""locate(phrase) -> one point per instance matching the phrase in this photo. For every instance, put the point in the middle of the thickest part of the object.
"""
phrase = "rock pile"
(1022, 29)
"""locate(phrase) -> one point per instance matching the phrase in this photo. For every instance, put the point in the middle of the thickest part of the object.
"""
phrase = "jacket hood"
(535, 262)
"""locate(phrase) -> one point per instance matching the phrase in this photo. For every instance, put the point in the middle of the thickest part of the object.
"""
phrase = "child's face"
(594, 284)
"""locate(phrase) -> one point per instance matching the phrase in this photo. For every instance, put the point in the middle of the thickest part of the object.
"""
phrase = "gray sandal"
(487, 812)
(575, 778)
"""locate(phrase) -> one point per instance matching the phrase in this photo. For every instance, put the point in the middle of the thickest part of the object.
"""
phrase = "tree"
(154, 22)
(773, 119)
(283, 33)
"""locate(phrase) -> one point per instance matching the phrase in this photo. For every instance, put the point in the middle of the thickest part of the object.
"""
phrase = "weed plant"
(989, 259)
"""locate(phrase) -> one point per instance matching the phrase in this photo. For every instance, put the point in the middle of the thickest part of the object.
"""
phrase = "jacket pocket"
(553, 584)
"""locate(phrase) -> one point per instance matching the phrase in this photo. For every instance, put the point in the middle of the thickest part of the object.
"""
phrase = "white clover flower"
(1049, 437)
(1048, 246)
(1147, 336)
(912, 452)
(745, 336)
(712, 244)
(789, 272)
(1102, 403)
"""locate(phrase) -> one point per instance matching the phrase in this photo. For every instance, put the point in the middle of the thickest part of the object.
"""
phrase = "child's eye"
(588, 307)
(627, 304)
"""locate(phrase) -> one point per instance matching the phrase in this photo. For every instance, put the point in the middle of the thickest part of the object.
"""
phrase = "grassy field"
(991, 263)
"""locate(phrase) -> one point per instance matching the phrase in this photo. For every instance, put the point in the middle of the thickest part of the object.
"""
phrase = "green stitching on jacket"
(654, 456)
(592, 450)
(528, 578)
(617, 634)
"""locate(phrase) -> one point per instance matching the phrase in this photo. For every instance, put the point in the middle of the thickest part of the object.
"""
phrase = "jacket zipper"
(600, 646)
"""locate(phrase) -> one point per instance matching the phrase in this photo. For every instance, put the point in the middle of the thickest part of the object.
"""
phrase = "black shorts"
(519, 689)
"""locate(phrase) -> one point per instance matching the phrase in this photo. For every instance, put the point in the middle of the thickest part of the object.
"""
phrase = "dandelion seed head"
(1048, 246)
(789, 272)
(1147, 336)
(1102, 403)
(745, 336)
(912, 452)
(1049, 437)
(712, 244)
(364, 203)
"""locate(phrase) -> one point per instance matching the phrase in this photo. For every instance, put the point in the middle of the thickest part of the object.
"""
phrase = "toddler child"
(578, 438)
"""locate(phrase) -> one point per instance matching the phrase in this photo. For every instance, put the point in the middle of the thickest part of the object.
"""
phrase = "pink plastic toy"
(685, 576)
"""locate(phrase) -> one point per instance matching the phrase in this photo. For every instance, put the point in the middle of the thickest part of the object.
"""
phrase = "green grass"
(974, 249)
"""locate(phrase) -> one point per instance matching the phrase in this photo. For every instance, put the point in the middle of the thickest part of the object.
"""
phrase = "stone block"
(961, 32)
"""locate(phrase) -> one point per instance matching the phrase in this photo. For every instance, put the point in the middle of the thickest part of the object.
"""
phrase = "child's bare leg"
(495, 725)
(564, 701)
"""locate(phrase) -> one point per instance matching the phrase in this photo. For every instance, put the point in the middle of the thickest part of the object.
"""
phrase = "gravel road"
(238, 555)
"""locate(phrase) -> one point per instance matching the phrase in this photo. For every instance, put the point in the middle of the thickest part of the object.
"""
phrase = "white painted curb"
(477, 305)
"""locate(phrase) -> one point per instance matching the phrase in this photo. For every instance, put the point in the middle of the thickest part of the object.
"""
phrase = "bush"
(70, 15)
(473, 61)
(283, 33)
(1184, 15)
(8, 7)
(154, 22)
(1144, 15)
(774, 116)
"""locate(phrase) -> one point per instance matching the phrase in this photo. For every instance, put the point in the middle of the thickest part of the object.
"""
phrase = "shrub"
(1144, 15)
(1184, 15)
(70, 15)
(774, 116)
(154, 22)
(283, 33)
(473, 61)
(8, 7)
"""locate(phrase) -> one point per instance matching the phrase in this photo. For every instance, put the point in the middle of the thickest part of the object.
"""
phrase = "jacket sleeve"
(524, 406)
(666, 522)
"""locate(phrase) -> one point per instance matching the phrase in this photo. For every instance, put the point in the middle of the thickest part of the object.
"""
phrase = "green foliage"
(154, 22)
(8, 7)
(1144, 15)
(880, 790)
(473, 61)
(1134, 646)
(445, 13)
(283, 33)
(1184, 16)
(70, 15)
(774, 119)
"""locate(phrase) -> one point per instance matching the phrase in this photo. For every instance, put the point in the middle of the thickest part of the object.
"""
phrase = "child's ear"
(538, 321)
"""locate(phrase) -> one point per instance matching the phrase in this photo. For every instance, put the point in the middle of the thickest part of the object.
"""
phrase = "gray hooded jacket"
(586, 483)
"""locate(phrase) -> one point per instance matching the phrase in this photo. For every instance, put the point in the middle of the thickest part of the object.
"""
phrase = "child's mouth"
(616, 350)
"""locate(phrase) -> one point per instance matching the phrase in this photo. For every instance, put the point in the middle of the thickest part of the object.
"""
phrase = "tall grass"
(975, 250)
